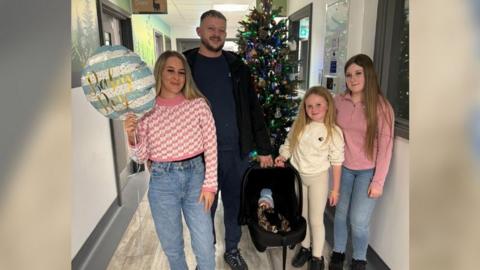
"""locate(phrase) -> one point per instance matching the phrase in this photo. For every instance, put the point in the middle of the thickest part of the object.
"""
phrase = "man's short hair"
(212, 13)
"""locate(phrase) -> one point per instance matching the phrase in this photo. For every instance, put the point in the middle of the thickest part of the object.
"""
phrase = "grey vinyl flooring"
(140, 249)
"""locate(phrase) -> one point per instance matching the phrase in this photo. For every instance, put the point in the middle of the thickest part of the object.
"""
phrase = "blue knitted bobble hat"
(266, 197)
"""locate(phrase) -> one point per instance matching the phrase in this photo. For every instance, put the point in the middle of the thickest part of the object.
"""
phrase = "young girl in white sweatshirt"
(314, 144)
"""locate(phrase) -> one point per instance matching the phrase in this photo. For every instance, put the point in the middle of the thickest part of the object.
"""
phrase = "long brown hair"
(302, 118)
(189, 90)
(374, 100)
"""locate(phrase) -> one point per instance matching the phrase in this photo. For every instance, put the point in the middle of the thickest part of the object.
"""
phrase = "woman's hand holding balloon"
(130, 125)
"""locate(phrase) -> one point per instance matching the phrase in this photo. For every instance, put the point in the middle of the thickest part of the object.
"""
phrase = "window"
(403, 85)
(392, 59)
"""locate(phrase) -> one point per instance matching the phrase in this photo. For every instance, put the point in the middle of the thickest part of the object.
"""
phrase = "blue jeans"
(355, 205)
(175, 187)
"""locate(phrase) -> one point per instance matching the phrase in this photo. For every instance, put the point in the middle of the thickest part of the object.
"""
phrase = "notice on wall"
(149, 7)
(335, 45)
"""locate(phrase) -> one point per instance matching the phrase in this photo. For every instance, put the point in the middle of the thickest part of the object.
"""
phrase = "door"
(299, 33)
(158, 43)
(111, 30)
(117, 31)
(168, 43)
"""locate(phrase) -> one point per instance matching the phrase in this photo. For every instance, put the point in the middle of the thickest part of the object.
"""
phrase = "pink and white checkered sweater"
(178, 129)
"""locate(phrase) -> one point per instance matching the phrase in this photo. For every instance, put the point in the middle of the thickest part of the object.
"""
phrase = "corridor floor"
(140, 249)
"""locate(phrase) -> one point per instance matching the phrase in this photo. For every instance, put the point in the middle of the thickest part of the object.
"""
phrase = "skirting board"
(375, 262)
(100, 246)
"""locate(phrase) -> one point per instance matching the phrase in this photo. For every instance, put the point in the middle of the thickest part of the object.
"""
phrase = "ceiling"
(186, 13)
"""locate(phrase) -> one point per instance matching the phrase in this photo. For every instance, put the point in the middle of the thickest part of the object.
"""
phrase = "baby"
(269, 219)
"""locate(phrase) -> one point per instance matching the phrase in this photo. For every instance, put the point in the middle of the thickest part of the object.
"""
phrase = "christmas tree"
(263, 45)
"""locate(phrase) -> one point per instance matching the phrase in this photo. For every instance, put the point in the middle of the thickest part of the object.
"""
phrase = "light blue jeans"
(356, 207)
(175, 188)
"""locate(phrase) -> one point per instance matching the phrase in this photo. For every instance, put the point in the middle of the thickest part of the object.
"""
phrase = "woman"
(178, 137)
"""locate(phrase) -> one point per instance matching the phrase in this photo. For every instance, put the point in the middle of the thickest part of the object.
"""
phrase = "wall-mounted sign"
(149, 7)
(303, 31)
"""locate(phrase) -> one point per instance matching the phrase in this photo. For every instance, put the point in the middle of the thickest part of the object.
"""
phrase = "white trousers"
(315, 196)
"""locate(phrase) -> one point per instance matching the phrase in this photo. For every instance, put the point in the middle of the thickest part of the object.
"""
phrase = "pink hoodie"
(351, 118)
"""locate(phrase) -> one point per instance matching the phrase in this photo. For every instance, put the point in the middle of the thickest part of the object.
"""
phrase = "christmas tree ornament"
(262, 83)
(252, 156)
(278, 68)
(247, 34)
(292, 45)
(262, 34)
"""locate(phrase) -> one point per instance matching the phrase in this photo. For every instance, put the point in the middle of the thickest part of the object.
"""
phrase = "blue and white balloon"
(116, 81)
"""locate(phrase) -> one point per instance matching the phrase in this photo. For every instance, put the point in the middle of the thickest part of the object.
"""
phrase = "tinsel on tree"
(263, 45)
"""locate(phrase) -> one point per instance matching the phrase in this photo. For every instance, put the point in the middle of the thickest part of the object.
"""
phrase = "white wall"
(362, 20)
(93, 179)
(389, 233)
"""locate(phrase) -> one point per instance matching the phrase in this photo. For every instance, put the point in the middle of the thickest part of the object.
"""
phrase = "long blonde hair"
(303, 120)
(374, 100)
(189, 90)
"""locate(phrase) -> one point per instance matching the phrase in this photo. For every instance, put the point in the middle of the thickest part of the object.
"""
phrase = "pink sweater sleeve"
(384, 145)
(139, 152)
(209, 136)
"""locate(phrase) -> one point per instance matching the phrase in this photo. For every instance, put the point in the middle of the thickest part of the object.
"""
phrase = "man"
(226, 82)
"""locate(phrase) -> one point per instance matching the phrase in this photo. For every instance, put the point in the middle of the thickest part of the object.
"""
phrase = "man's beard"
(210, 47)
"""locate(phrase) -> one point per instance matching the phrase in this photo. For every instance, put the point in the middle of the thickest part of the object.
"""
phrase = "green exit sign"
(304, 28)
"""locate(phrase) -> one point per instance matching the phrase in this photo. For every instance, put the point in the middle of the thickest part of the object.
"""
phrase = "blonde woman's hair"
(375, 102)
(303, 120)
(189, 90)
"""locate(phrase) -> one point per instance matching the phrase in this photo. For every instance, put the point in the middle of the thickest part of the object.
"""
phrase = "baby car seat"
(286, 187)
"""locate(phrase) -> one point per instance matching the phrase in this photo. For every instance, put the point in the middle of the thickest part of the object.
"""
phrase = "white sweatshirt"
(314, 154)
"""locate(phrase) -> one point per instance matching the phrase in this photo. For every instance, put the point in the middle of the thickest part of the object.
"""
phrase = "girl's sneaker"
(336, 261)
(358, 264)
(316, 263)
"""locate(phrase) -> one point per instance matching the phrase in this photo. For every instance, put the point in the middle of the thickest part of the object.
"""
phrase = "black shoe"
(336, 261)
(302, 256)
(316, 263)
(358, 265)
(235, 260)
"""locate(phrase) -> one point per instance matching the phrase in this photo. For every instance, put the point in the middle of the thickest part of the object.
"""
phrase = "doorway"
(116, 29)
(300, 36)
(158, 44)
(168, 43)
